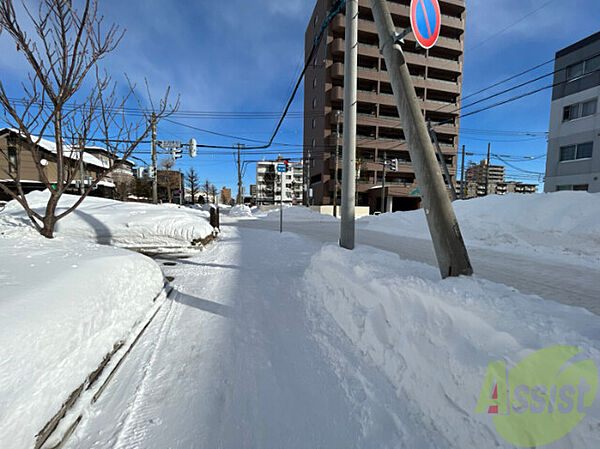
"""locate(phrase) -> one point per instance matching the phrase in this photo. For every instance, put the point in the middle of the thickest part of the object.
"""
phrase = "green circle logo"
(543, 397)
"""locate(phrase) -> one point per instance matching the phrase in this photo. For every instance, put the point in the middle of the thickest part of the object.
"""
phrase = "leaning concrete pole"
(349, 149)
(450, 250)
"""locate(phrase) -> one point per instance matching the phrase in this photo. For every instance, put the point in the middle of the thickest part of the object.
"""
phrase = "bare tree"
(64, 52)
(206, 190)
(213, 192)
(192, 180)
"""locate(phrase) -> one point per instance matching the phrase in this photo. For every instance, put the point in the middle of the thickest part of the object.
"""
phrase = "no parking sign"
(426, 21)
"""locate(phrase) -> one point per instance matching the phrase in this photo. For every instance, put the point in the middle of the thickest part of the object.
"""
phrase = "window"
(314, 143)
(563, 188)
(578, 110)
(581, 187)
(588, 108)
(574, 71)
(314, 82)
(316, 20)
(314, 103)
(12, 161)
(577, 70)
(314, 123)
(572, 152)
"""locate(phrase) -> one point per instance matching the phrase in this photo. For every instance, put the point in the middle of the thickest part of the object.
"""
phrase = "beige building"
(437, 77)
(17, 159)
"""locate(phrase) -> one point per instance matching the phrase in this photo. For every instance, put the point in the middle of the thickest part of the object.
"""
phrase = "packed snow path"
(575, 285)
(233, 361)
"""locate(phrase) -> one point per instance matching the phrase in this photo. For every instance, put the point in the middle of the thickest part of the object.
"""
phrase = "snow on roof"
(68, 150)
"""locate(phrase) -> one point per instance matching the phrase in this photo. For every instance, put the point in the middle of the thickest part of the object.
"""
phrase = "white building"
(270, 185)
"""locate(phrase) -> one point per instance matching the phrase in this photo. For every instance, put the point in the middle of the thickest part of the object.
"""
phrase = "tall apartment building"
(479, 172)
(573, 161)
(270, 189)
(437, 76)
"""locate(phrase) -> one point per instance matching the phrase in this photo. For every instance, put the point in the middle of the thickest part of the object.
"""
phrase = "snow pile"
(560, 223)
(241, 210)
(116, 223)
(434, 339)
(64, 304)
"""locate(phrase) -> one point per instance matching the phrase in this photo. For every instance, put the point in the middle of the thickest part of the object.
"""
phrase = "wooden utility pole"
(383, 184)
(487, 170)
(462, 174)
(450, 250)
(239, 199)
(337, 158)
(154, 170)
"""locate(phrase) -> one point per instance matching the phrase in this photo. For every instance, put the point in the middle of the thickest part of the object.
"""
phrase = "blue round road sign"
(426, 21)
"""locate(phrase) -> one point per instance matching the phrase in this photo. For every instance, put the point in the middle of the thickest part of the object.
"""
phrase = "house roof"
(68, 150)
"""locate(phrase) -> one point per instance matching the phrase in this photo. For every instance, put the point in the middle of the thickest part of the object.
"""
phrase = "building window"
(12, 161)
(314, 123)
(578, 110)
(563, 188)
(314, 103)
(581, 187)
(316, 20)
(314, 143)
(582, 68)
(573, 152)
(314, 82)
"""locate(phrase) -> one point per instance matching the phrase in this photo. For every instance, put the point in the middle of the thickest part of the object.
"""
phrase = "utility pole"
(451, 253)
(383, 184)
(154, 171)
(442, 160)
(487, 170)
(308, 179)
(349, 148)
(281, 203)
(462, 174)
(239, 173)
(337, 158)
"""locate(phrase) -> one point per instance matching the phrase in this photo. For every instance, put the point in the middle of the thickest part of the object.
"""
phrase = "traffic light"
(150, 172)
(394, 164)
(287, 165)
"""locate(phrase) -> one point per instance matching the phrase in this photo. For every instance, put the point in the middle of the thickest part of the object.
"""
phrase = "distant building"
(269, 188)
(225, 195)
(475, 181)
(478, 172)
(573, 161)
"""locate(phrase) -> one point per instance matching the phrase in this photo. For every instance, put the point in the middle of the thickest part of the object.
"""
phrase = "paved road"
(562, 282)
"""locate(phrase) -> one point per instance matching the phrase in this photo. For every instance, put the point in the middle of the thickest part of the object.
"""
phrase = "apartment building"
(478, 172)
(437, 76)
(269, 186)
(573, 161)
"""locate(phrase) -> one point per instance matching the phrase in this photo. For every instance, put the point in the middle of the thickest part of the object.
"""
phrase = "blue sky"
(242, 56)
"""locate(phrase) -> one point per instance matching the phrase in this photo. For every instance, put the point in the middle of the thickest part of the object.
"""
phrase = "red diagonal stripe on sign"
(426, 18)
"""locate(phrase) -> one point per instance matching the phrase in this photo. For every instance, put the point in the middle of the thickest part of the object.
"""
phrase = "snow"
(555, 225)
(64, 304)
(117, 223)
(240, 210)
(297, 213)
(434, 339)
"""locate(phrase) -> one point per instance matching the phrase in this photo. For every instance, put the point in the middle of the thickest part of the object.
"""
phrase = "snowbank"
(434, 339)
(240, 210)
(116, 223)
(64, 303)
(560, 223)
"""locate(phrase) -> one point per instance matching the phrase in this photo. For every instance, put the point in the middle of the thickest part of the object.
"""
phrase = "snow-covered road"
(233, 361)
(564, 282)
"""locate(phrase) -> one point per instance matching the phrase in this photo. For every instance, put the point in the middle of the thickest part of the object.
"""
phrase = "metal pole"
(81, 169)
(337, 163)
(154, 171)
(281, 204)
(308, 196)
(487, 170)
(442, 160)
(383, 184)
(349, 148)
(451, 253)
(462, 175)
